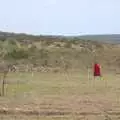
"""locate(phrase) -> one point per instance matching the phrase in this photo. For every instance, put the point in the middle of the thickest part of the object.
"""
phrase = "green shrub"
(17, 54)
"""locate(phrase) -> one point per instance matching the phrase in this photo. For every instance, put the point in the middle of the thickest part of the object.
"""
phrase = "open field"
(60, 96)
(52, 94)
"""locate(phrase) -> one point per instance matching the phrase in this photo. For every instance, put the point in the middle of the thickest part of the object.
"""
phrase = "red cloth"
(97, 71)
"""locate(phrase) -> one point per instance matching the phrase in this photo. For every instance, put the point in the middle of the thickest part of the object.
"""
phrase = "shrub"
(17, 54)
(43, 54)
(68, 45)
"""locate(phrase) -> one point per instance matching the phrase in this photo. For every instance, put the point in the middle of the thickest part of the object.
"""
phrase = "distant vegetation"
(53, 51)
(112, 38)
(22, 36)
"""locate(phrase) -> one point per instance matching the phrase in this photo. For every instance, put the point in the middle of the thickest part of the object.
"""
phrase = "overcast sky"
(60, 17)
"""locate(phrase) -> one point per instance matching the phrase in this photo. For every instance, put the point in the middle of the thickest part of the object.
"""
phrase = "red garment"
(97, 71)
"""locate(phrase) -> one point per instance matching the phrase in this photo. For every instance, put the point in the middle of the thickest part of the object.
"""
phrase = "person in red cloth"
(97, 70)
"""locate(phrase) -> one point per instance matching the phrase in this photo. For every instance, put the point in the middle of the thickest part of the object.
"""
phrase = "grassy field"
(60, 96)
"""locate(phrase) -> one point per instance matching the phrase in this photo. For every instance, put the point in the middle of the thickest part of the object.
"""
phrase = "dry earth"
(60, 96)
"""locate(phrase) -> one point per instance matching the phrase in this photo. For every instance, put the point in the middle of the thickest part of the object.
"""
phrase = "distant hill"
(112, 38)
(109, 38)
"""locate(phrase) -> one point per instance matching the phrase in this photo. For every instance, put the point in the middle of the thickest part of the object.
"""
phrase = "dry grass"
(58, 96)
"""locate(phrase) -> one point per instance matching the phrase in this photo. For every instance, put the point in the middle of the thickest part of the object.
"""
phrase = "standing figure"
(97, 70)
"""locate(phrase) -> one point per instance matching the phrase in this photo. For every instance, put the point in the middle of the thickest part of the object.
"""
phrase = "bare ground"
(78, 100)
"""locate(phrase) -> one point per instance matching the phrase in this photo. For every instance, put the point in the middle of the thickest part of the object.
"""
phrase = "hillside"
(109, 38)
(112, 38)
(57, 53)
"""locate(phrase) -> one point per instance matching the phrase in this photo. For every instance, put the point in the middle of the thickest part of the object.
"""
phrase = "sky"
(60, 17)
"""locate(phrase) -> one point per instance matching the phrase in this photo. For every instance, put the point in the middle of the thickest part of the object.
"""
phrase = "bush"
(43, 54)
(17, 54)
(68, 45)
(58, 45)
(32, 48)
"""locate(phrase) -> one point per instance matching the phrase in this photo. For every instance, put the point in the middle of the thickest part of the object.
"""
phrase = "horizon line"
(64, 35)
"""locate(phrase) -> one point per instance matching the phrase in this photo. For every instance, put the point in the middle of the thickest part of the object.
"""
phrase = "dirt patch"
(83, 107)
